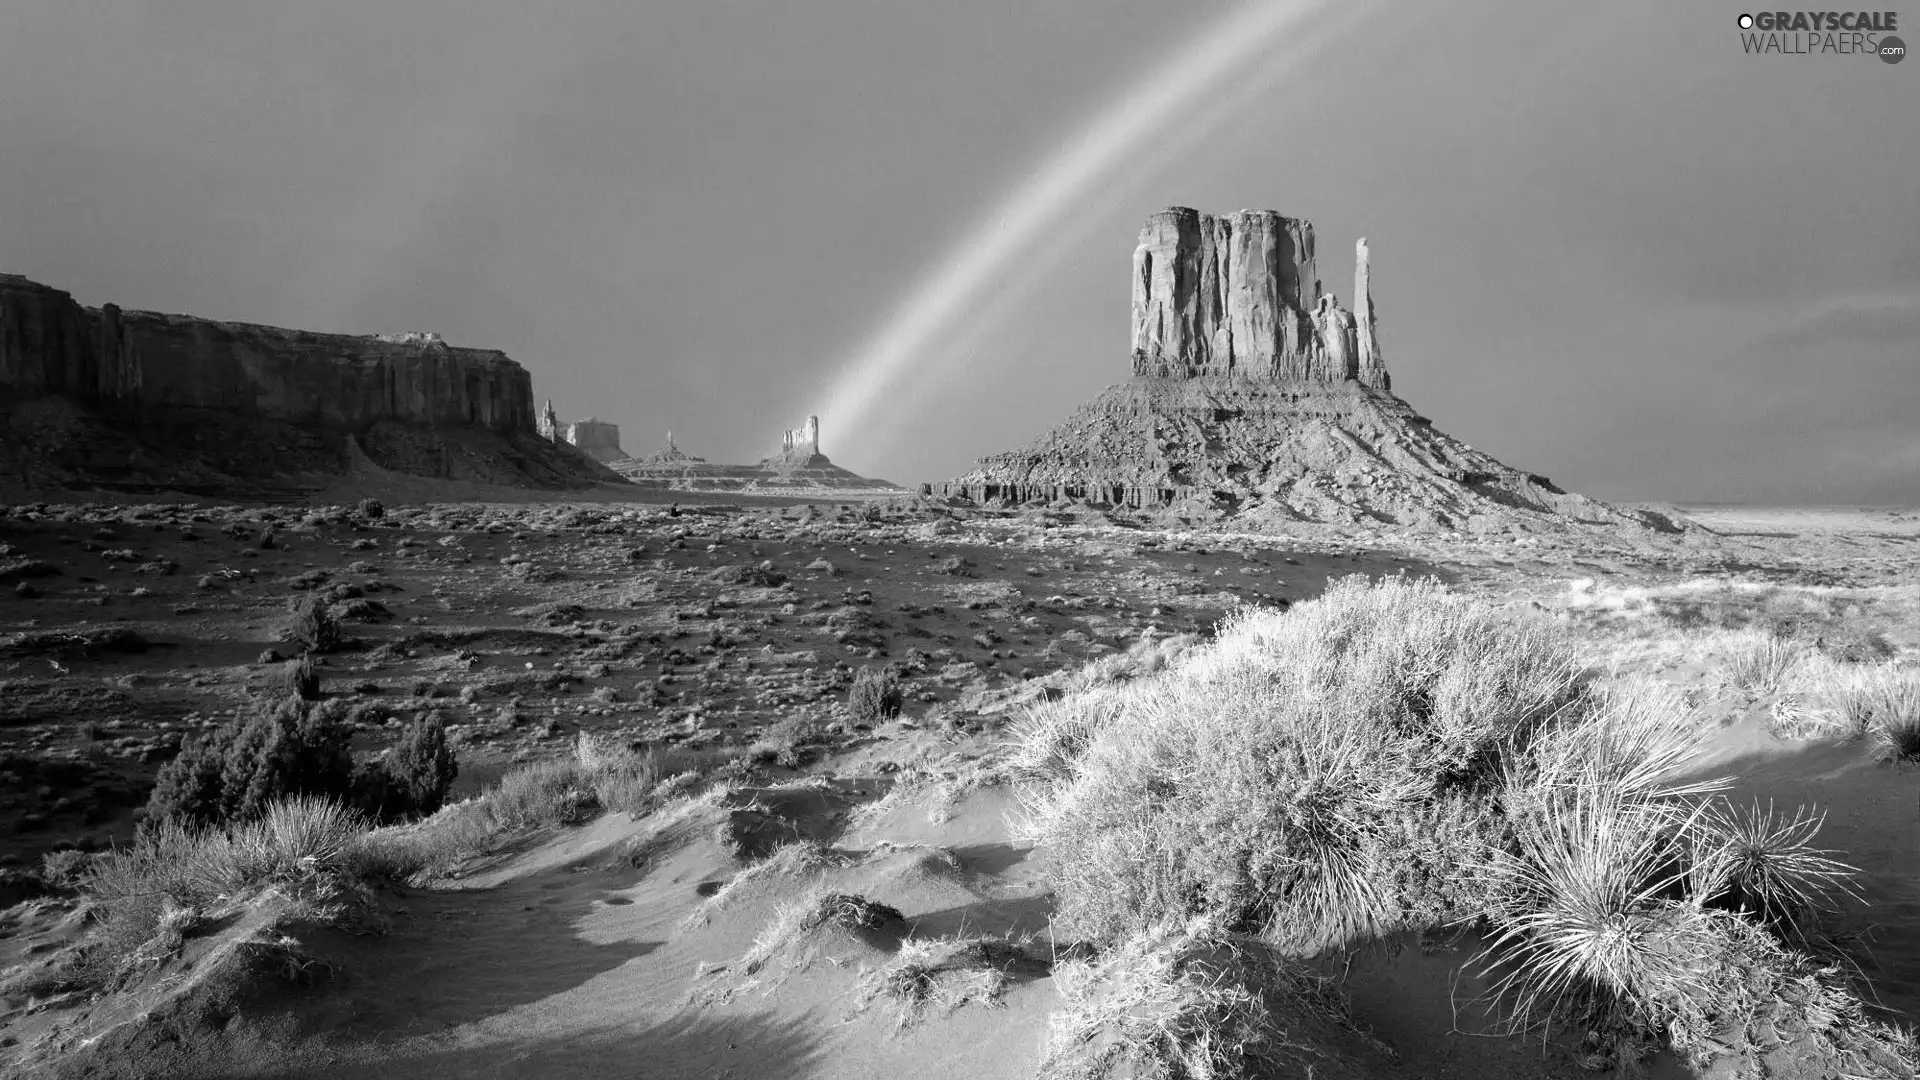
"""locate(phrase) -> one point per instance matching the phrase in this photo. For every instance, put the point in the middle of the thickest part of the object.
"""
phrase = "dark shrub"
(413, 779)
(371, 508)
(233, 772)
(875, 696)
(314, 625)
(297, 678)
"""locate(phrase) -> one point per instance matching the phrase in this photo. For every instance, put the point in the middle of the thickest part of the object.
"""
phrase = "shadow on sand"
(690, 1045)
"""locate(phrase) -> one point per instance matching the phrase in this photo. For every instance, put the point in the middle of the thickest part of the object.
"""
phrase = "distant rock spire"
(1373, 367)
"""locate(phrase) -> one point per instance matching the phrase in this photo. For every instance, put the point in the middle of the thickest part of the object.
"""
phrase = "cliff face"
(111, 359)
(1239, 296)
(137, 400)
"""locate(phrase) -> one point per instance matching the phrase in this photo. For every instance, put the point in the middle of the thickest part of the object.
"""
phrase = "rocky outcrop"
(1239, 297)
(797, 467)
(159, 379)
(1258, 397)
(804, 439)
(593, 437)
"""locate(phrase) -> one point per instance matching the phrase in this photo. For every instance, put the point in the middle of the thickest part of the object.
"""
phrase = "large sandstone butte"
(1258, 396)
(140, 401)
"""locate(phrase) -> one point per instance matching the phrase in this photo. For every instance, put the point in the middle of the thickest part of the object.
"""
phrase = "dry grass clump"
(1879, 703)
(1885, 706)
(1759, 662)
(599, 776)
(820, 918)
(946, 974)
(1189, 1005)
(1394, 756)
(1312, 777)
(798, 861)
(148, 896)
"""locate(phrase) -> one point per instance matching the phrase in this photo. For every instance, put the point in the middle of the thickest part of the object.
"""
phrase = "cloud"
(1873, 323)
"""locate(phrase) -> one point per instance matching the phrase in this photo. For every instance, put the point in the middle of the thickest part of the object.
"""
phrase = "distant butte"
(797, 467)
(1255, 395)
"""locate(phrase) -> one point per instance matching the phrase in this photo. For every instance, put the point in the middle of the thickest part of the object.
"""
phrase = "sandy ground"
(722, 625)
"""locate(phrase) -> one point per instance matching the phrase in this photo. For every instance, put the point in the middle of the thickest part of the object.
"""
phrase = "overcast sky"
(1607, 245)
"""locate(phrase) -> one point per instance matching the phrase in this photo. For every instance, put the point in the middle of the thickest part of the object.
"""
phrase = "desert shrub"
(761, 576)
(296, 678)
(433, 845)
(231, 774)
(945, 973)
(875, 696)
(554, 792)
(148, 894)
(371, 508)
(314, 625)
(1190, 1006)
(1629, 910)
(1296, 779)
(364, 610)
(66, 868)
(413, 777)
(1850, 644)
(1764, 864)
(627, 780)
(1759, 661)
(19, 569)
(1888, 705)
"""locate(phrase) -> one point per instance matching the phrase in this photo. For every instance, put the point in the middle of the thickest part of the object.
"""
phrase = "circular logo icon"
(1892, 50)
(1746, 22)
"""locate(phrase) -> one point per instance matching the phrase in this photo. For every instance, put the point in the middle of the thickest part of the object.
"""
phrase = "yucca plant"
(1763, 863)
(1584, 902)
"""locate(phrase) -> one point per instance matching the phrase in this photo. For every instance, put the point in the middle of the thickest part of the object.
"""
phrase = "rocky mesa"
(139, 400)
(1256, 395)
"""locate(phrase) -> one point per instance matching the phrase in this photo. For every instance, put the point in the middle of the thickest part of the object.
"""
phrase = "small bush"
(296, 678)
(1189, 1007)
(1886, 706)
(232, 773)
(946, 973)
(65, 869)
(1313, 776)
(371, 509)
(314, 625)
(412, 779)
(150, 894)
(556, 792)
(625, 780)
(20, 569)
(875, 696)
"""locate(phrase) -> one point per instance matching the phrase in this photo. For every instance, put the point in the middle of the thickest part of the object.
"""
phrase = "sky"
(1608, 245)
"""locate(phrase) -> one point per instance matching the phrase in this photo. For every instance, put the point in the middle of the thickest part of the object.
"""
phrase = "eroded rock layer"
(1256, 395)
(142, 399)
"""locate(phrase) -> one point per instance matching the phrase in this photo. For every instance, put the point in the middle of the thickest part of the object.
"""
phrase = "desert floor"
(738, 627)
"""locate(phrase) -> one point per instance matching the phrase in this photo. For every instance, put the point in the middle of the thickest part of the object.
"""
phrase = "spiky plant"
(1583, 903)
(1764, 863)
(1760, 662)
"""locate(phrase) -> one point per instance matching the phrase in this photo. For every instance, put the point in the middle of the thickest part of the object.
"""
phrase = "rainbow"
(1044, 207)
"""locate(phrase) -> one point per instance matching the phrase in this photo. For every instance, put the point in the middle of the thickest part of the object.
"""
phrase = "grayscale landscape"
(361, 714)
